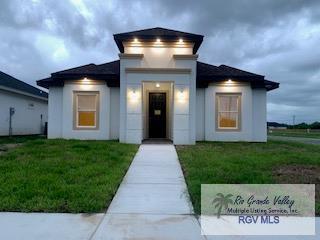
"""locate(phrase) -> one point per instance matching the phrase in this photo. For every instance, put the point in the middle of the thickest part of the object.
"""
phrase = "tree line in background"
(314, 125)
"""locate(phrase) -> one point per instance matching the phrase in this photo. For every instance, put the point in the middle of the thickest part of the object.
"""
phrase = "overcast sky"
(276, 38)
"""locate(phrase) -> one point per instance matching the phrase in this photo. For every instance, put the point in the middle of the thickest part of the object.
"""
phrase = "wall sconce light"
(158, 40)
(157, 85)
(134, 96)
(181, 96)
(135, 40)
(180, 40)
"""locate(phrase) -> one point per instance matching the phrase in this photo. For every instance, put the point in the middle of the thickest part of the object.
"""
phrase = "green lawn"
(62, 175)
(217, 162)
(293, 133)
(19, 139)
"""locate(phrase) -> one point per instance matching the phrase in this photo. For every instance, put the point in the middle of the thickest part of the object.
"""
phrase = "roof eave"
(59, 79)
(75, 76)
(197, 45)
(42, 96)
(272, 86)
(255, 81)
(119, 43)
(119, 38)
(48, 82)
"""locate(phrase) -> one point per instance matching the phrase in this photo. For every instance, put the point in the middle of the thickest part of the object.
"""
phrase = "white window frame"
(238, 112)
(76, 110)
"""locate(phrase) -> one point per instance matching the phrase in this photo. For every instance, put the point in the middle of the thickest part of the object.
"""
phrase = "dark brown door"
(157, 115)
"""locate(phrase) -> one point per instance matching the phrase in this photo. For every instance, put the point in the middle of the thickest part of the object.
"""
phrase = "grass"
(218, 163)
(18, 139)
(62, 175)
(295, 133)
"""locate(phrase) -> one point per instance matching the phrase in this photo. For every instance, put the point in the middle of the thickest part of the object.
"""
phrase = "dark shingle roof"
(237, 72)
(93, 69)
(78, 70)
(207, 73)
(270, 85)
(107, 71)
(205, 69)
(15, 84)
(110, 72)
(151, 34)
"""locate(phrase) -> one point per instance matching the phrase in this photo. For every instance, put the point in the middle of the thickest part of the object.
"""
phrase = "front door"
(157, 115)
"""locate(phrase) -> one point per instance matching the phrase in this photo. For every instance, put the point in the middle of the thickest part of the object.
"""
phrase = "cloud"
(278, 39)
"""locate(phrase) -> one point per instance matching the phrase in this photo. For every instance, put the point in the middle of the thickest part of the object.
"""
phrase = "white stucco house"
(23, 108)
(157, 89)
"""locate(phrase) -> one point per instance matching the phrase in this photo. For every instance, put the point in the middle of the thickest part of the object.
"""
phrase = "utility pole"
(11, 112)
(293, 120)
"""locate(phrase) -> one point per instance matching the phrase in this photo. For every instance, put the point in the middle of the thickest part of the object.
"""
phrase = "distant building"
(23, 108)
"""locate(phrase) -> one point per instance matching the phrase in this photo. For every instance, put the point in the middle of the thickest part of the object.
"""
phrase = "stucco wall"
(259, 131)
(55, 112)
(253, 114)
(114, 112)
(61, 112)
(245, 133)
(27, 118)
(131, 112)
(160, 57)
(200, 114)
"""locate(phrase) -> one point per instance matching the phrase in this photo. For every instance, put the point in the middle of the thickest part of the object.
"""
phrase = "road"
(296, 139)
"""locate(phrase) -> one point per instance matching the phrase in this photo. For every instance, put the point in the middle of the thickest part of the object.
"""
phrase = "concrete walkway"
(315, 141)
(152, 202)
(48, 226)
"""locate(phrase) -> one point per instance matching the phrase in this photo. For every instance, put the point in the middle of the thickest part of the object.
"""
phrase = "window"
(228, 111)
(86, 111)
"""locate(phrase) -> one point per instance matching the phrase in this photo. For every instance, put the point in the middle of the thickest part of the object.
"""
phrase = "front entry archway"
(157, 110)
(157, 115)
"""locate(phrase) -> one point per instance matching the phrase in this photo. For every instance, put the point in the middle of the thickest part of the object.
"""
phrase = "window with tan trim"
(86, 110)
(228, 111)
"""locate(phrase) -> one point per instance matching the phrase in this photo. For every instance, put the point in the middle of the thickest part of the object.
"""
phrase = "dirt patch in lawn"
(299, 174)
(6, 147)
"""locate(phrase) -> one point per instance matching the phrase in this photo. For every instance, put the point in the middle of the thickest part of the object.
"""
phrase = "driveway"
(296, 139)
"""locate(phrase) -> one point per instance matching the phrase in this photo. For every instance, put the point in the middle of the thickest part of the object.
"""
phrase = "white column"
(134, 123)
(181, 113)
